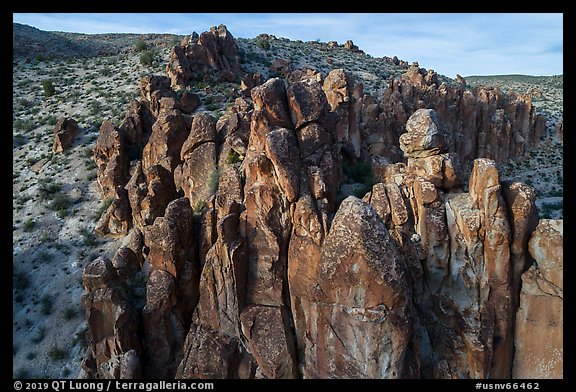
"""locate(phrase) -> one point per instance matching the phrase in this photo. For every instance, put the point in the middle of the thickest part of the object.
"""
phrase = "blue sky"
(468, 44)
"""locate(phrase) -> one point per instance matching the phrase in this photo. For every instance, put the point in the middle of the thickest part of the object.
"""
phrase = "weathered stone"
(189, 102)
(270, 340)
(442, 170)
(111, 159)
(137, 191)
(65, 132)
(360, 320)
(117, 219)
(210, 354)
(213, 56)
(112, 323)
(425, 135)
(282, 150)
(163, 327)
(136, 128)
(546, 247)
(307, 102)
(160, 192)
(199, 175)
(523, 217)
(168, 135)
(248, 82)
(539, 335)
(270, 99)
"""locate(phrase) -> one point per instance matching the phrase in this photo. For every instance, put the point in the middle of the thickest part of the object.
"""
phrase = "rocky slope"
(311, 229)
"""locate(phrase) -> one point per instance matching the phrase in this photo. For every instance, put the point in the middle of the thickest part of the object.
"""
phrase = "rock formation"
(114, 348)
(213, 57)
(257, 265)
(111, 159)
(539, 322)
(65, 132)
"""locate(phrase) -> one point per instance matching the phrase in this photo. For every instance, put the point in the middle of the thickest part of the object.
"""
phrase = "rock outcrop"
(479, 120)
(539, 322)
(65, 132)
(111, 159)
(358, 316)
(117, 219)
(168, 135)
(114, 348)
(214, 56)
(172, 288)
(198, 173)
(254, 262)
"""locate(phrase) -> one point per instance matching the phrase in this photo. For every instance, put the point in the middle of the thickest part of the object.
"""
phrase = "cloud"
(448, 43)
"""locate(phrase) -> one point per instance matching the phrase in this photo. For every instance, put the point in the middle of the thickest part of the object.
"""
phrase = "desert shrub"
(70, 312)
(147, 58)
(62, 213)
(40, 335)
(48, 88)
(44, 256)
(140, 45)
(362, 190)
(46, 304)
(136, 287)
(89, 237)
(199, 207)
(263, 44)
(94, 108)
(556, 193)
(47, 189)
(51, 120)
(359, 172)
(24, 125)
(20, 280)
(60, 202)
(106, 71)
(28, 225)
(102, 208)
(233, 157)
(211, 106)
(87, 152)
(57, 353)
(18, 140)
(21, 373)
(80, 338)
(213, 181)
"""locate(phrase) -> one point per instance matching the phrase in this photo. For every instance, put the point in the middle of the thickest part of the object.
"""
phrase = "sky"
(467, 44)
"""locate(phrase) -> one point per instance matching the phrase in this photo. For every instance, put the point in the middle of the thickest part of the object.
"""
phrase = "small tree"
(263, 43)
(140, 45)
(147, 58)
(48, 87)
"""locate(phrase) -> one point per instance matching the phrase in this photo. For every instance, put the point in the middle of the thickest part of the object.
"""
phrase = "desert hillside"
(217, 206)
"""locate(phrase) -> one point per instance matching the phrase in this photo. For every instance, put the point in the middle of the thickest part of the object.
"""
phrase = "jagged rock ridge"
(254, 267)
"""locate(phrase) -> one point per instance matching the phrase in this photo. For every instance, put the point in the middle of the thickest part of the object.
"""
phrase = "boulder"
(117, 219)
(65, 132)
(425, 135)
(189, 102)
